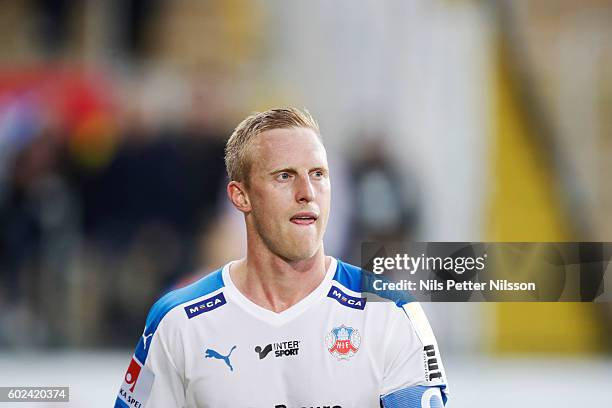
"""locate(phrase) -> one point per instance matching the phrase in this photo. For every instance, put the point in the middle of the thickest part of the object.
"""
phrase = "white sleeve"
(412, 357)
(158, 382)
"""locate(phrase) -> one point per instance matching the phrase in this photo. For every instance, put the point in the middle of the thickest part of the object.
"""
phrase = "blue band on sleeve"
(120, 404)
(414, 397)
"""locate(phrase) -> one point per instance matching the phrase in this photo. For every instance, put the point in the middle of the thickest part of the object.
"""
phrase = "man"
(287, 326)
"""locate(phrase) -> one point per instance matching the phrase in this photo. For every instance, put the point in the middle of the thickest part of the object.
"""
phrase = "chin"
(302, 253)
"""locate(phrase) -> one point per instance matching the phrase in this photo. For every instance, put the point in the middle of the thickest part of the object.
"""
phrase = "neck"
(275, 283)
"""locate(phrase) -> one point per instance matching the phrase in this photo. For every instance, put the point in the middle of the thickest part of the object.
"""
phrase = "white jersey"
(207, 345)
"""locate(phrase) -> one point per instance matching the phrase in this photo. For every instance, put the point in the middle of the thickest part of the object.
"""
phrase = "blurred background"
(450, 120)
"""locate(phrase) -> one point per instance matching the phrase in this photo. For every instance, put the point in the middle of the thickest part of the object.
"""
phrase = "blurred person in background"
(286, 309)
(385, 202)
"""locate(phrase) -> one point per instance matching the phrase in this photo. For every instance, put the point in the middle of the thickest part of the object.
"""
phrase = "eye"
(283, 176)
(318, 174)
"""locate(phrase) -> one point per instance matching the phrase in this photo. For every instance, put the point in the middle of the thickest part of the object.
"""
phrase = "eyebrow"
(292, 170)
(284, 170)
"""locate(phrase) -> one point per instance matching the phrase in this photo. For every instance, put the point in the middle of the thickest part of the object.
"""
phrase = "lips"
(304, 218)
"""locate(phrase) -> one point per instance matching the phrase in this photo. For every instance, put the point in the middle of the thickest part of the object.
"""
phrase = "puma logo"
(145, 338)
(210, 353)
(263, 353)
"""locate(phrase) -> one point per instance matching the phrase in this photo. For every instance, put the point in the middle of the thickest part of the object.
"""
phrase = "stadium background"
(444, 121)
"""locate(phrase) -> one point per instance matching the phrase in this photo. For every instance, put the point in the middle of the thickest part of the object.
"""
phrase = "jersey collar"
(273, 318)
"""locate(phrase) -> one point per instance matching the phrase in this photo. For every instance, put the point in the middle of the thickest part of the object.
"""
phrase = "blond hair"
(237, 161)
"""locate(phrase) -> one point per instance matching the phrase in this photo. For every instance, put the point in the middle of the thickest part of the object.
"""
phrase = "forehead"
(295, 147)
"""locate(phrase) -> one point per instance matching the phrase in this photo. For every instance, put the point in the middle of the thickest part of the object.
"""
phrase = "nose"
(304, 190)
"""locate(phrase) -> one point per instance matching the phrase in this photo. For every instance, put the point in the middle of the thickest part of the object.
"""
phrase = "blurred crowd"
(91, 190)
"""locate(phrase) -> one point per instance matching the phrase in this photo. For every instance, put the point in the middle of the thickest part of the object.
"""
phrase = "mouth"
(304, 218)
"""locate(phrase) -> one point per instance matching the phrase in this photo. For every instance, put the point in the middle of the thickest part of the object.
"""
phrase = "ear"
(237, 194)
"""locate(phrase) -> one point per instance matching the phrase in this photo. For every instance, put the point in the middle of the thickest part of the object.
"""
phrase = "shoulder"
(201, 289)
(348, 276)
(193, 299)
(361, 282)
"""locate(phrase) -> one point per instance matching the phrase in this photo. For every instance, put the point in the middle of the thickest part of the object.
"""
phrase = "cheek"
(268, 208)
(325, 194)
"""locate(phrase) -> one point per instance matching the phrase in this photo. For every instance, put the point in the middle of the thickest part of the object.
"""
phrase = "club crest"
(343, 342)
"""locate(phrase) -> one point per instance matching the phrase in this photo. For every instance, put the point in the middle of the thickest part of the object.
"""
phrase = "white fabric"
(384, 352)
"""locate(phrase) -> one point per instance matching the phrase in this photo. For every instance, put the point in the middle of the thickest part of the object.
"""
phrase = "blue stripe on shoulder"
(349, 276)
(169, 301)
(358, 280)
(412, 397)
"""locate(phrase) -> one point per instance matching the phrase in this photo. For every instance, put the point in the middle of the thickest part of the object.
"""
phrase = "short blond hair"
(237, 161)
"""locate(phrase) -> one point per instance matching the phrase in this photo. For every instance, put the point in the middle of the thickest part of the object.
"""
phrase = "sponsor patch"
(281, 349)
(346, 300)
(132, 373)
(137, 385)
(343, 342)
(432, 371)
(205, 305)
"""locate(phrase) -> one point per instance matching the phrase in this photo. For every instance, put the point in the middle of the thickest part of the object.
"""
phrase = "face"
(289, 192)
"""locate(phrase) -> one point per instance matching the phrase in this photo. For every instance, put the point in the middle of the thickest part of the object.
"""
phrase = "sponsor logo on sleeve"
(205, 305)
(432, 370)
(132, 373)
(347, 300)
(137, 385)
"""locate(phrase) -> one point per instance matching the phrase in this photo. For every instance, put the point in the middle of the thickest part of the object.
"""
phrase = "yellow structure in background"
(524, 206)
